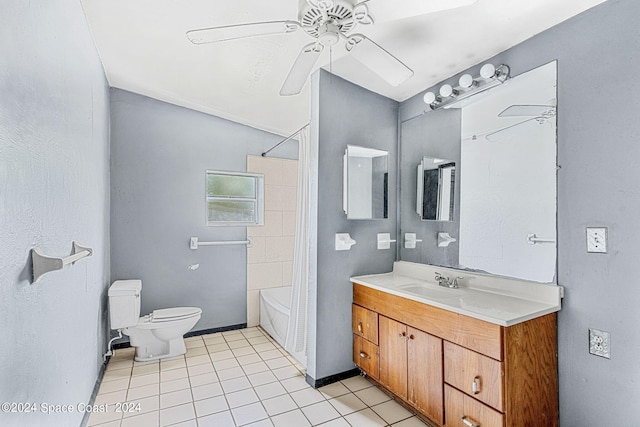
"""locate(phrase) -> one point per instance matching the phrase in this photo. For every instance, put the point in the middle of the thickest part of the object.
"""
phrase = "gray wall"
(160, 153)
(54, 188)
(436, 134)
(598, 151)
(344, 113)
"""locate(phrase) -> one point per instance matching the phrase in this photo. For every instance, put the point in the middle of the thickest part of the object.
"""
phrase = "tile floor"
(237, 378)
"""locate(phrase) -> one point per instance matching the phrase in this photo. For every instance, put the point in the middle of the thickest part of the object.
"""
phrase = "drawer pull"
(360, 326)
(475, 385)
(364, 355)
(469, 422)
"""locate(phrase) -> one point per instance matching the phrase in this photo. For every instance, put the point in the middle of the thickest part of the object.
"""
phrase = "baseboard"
(216, 330)
(125, 344)
(94, 393)
(321, 382)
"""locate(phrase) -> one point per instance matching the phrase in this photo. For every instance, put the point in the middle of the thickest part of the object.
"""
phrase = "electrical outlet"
(597, 239)
(599, 343)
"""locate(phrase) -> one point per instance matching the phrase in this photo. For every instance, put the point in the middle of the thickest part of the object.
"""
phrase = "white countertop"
(499, 300)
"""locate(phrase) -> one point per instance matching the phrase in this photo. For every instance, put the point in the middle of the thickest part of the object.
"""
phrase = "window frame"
(258, 199)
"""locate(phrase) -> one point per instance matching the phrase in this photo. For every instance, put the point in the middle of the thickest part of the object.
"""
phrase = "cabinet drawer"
(365, 355)
(365, 323)
(464, 411)
(477, 375)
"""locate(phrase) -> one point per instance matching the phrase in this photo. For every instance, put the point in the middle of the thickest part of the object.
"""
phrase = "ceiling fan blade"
(378, 60)
(241, 31)
(527, 110)
(387, 10)
(301, 69)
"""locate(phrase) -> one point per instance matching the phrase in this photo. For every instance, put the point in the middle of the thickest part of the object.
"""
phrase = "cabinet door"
(365, 355)
(365, 323)
(464, 411)
(393, 355)
(425, 373)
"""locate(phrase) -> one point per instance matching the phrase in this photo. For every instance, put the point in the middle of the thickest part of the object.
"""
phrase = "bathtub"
(274, 312)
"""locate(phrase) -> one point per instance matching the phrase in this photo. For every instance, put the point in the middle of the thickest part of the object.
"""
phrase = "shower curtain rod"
(285, 140)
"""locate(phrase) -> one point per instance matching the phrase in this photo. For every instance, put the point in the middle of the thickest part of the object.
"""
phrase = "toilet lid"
(175, 313)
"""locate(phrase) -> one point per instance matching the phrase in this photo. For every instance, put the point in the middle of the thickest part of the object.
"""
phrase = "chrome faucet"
(447, 282)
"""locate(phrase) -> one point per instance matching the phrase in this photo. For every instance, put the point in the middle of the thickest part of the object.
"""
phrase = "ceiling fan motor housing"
(337, 19)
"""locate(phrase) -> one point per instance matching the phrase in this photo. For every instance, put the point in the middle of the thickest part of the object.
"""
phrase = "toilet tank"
(124, 303)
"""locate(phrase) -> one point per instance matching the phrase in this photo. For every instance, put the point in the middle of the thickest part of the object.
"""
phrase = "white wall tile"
(265, 275)
(272, 171)
(254, 164)
(287, 273)
(290, 173)
(256, 253)
(273, 223)
(289, 195)
(274, 197)
(279, 249)
(269, 260)
(288, 223)
(253, 308)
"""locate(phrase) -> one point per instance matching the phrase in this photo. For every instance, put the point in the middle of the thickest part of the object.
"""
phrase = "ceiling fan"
(329, 22)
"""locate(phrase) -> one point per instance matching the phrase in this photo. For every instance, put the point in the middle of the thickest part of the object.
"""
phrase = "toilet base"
(149, 348)
(170, 349)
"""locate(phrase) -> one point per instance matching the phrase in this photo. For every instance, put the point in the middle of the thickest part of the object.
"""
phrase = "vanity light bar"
(490, 76)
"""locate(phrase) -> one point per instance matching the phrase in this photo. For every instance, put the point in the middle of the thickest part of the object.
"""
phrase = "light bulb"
(429, 98)
(446, 91)
(487, 71)
(466, 81)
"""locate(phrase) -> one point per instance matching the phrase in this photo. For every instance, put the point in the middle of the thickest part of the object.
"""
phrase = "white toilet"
(158, 335)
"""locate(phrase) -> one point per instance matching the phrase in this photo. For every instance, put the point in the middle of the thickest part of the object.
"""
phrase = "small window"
(234, 198)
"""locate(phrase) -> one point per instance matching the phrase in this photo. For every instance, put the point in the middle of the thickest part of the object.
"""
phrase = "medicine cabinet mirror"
(365, 183)
(435, 197)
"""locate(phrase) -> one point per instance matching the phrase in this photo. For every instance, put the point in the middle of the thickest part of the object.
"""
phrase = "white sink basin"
(429, 291)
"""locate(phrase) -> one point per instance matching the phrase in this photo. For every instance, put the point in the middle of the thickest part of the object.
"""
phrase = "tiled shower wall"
(270, 259)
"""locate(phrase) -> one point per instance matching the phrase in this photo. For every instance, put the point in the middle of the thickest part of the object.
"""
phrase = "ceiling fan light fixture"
(328, 34)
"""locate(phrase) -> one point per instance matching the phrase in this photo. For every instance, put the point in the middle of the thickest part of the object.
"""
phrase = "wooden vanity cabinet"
(457, 370)
(411, 366)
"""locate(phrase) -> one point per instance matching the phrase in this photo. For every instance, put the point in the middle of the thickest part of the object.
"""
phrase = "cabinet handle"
(411, 337)
(404, 334)
(475, 385)
(469, 422)
(364, 355)
(360, 326)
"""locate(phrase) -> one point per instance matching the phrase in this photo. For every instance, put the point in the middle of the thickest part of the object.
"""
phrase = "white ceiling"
(144, 49)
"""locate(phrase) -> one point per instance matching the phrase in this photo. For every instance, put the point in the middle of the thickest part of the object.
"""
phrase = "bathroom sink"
(429, 291)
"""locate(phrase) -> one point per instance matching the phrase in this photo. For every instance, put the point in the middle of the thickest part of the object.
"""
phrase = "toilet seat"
(173, 314)
(167, 316)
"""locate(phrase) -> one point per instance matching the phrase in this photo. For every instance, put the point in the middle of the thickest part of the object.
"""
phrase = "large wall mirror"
(503, 144)
(365, 183)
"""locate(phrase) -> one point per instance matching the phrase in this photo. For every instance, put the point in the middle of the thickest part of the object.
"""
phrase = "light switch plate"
(597, 239)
